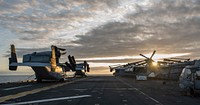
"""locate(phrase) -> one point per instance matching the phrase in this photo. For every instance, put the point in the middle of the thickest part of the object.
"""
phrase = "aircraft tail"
(13, 58)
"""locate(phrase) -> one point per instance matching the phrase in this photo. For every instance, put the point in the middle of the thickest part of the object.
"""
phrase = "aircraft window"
(188, 73)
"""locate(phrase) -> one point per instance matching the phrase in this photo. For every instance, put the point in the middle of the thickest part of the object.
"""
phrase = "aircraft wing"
(30, 64)
(77, 68)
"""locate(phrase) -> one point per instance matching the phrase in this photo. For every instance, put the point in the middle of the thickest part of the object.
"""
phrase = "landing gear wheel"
(39, 80)
(184, 93)
(191, 92)
(61, 80)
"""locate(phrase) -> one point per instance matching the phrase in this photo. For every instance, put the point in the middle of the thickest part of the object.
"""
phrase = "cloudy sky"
(106, 32)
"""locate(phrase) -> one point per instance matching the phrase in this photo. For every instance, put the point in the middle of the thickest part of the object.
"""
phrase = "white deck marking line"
(17, 87)
(114, 88)
(80, 89)
(18, 95)
(48, 100)
(140, 92)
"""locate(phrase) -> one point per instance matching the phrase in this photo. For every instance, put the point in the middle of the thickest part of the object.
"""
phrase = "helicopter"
(189, 80)
(46, 64)
(135, 68)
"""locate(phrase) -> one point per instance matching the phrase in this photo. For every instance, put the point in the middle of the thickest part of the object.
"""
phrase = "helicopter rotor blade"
(144, 56)
(153, 54)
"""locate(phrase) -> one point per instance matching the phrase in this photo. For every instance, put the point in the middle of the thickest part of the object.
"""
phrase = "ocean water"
(15, 78)
(18, 78)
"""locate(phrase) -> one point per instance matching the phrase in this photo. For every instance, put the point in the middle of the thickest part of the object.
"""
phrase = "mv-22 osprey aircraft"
(46, 64)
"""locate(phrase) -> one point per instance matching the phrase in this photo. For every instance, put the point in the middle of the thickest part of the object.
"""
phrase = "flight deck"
(95, 90)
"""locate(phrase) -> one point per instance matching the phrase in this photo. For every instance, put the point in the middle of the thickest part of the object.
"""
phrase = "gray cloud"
(22, 51)
(167, 26)
(106, 28)
(109, 40)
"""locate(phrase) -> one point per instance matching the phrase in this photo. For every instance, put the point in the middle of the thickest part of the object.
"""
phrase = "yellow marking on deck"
(18, 95)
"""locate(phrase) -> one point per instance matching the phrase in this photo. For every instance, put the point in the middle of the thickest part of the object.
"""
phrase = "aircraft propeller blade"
(61, 49)
(68, 65)
(58, 48)
(72, 63)
(73, 58)
(63, 53)
(88, 68)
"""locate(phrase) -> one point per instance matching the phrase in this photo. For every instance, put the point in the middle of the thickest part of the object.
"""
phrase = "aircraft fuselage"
(46, 73)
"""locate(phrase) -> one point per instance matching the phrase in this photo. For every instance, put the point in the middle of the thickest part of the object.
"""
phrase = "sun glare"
(155, 63)
(155, 57)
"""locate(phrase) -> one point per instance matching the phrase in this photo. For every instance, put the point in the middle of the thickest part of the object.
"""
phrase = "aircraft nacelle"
(13, 58)
(12, 68)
